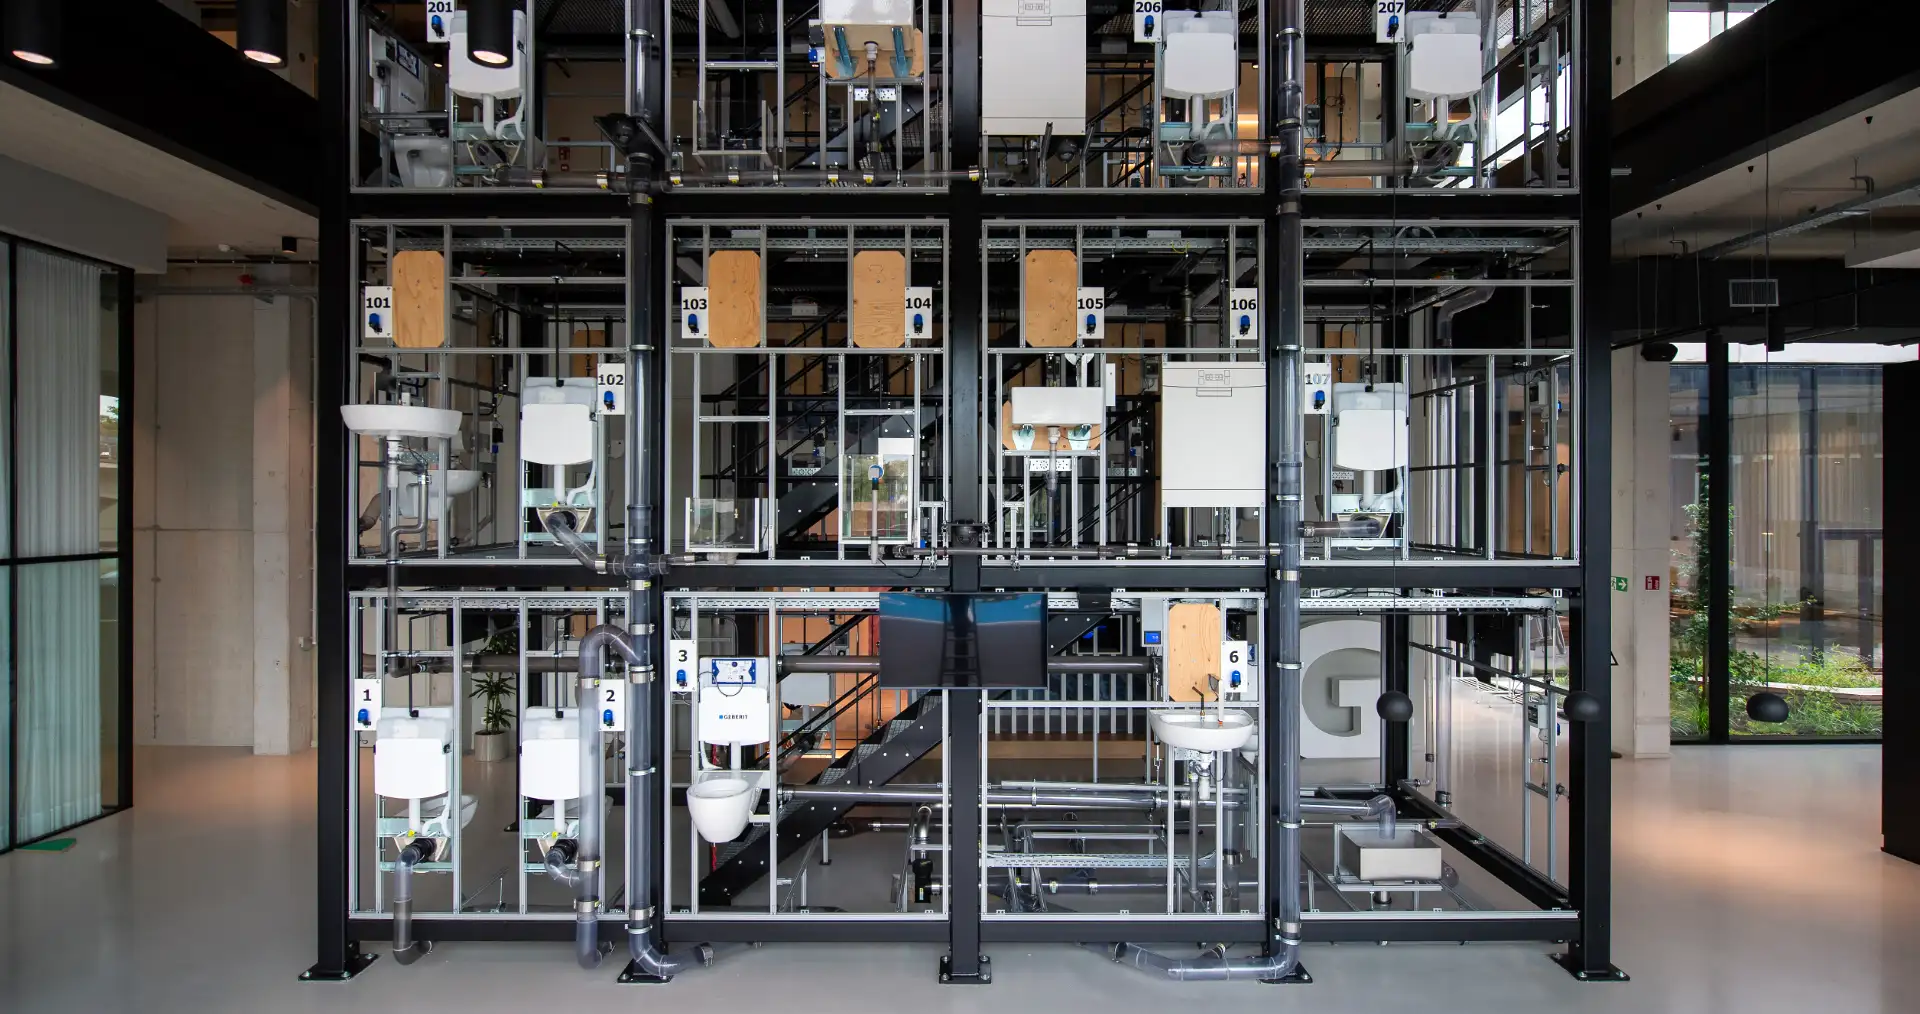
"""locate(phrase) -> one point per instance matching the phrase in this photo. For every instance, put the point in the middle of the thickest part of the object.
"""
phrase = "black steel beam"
(339, 955)
(1527, 882)
(1717, 430)
(1479, 929)
(1750, 90)
(1084, 931)
(688, 929)
(1590, 746)
(150, 74)
(1677, 299)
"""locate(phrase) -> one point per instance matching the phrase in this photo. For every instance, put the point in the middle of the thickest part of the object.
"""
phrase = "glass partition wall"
(65, 326)
(1802, 563)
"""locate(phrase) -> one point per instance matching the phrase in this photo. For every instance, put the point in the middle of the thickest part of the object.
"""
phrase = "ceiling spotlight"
(290, 245)
(490, 32)
(32, 31)
(262, 34)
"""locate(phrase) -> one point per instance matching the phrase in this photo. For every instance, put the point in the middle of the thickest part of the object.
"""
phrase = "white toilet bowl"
(720, 807)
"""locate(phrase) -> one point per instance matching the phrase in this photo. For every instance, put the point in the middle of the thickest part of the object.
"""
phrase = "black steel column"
(1397, 670)
(1717, 430)
(1900, 732)
(339, 954)
(1590, 748)
(123, 728)
(965, 279)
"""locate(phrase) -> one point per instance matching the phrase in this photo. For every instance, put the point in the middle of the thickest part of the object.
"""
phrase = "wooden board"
(880, 35)
(1040, 434)
(1052, 283)
(419, 299)
(879, 299)
(733, 299)
(1193, 650)
(586, 366)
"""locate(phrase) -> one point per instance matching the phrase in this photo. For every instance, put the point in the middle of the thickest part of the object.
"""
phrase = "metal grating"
(581, 17)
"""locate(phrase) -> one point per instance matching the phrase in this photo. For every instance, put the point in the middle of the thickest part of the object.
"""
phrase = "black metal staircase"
(880, 758)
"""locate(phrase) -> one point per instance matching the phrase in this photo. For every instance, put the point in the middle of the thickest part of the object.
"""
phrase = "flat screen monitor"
(962, 640)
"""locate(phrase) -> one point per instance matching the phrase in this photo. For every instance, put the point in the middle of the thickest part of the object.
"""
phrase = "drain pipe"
(593, 792)
(407, 950)
(1379, 809)
(1286, 58)
(1453, 307)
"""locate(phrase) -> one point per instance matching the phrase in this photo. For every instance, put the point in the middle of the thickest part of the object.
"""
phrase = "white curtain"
(59, 405)
(57, 475)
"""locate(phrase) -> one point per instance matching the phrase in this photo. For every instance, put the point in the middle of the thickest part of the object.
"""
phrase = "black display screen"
(962, 640)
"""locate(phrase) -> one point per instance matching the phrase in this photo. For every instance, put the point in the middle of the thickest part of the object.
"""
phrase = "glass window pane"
(59, 704)
(112, 792)
(58, 317)
(1806, 532)
(109, 422)
(1686, 32)
(6, 386)
(1687, 539)
(6, 694)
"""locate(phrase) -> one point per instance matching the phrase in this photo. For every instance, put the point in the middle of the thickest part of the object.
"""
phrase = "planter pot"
(490, 747)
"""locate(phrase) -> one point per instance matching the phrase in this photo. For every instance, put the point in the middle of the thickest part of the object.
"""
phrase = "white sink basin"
(455, 481)
(1205, 731)
(401, 420)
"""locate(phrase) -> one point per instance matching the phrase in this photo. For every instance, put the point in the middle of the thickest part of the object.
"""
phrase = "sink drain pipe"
(1286, 437)
(407, 950)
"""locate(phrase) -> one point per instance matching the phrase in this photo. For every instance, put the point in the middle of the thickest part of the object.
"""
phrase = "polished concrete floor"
(1748, 879)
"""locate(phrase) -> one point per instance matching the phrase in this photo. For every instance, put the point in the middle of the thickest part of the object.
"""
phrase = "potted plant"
(494, 741)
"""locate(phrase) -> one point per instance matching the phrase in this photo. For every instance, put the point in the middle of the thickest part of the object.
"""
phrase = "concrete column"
(282, 503)
(1642, 554)
(1639, 41)
(223, 514)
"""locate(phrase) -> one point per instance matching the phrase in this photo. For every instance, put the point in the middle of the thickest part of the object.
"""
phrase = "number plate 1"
(364, 712)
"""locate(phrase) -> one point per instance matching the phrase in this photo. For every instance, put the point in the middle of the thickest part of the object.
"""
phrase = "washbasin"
(1205, 731)
(454, 480)
(393, 421)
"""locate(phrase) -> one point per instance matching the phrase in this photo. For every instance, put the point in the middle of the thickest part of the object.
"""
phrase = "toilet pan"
(720, 807)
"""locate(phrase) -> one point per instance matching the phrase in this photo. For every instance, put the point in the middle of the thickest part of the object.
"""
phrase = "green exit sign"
(1619, 583)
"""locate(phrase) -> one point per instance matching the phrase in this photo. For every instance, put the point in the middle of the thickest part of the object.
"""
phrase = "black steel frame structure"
(1578, 915)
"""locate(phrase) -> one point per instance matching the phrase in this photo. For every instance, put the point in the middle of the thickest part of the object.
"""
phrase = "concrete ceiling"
(1794, 181)
(206, 209)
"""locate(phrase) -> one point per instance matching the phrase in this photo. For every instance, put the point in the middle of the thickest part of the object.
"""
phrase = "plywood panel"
(1193, 650)
(1052, 283)
(585, 366)
(879, 299)
(419, 299)
(1040, 434)
(733, 299)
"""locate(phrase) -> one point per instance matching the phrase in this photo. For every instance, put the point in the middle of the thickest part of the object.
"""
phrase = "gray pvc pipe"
(593, 794)
(407, 950)
(559, 524)
(1379, 809)
(1217, 968)
(1453, 307)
